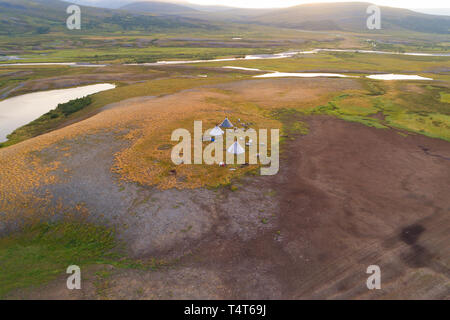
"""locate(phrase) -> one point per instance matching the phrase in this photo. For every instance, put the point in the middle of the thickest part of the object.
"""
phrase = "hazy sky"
(287, 3)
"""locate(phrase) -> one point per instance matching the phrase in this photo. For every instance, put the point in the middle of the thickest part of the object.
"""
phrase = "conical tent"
(226, 124)
(216, 132)
(236, 148)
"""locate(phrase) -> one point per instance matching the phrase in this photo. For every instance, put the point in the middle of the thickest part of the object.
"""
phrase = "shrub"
(74, 105)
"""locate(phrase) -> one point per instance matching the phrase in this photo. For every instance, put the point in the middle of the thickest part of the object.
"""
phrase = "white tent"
(216, 132)
(236, 148)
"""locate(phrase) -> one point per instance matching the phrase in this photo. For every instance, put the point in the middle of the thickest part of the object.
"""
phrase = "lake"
(301, 75)
(37, 64)
(18, 111)
(392, 76)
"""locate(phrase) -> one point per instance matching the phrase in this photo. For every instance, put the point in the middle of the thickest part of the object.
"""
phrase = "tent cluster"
(235, 148)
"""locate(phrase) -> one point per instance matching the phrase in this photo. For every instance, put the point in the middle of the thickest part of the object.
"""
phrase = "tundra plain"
(364, 169)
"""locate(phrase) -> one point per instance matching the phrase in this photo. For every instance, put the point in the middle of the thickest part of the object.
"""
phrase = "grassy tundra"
(364, 163)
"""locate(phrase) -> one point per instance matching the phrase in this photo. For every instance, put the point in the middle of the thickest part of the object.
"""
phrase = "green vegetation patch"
(354, 108)
(434, 125)
(445, 97)
(292, 122)
(422, 98)
(39, 254)
(73, 105)
(422, 110)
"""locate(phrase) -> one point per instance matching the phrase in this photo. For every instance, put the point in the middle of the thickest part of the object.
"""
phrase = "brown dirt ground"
(347, 196)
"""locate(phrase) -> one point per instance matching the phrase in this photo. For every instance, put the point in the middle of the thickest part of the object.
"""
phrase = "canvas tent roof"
(226, 124)
(216, 132)
(236, 148)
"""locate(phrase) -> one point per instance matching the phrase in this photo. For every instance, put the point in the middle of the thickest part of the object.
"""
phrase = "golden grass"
(144, 162)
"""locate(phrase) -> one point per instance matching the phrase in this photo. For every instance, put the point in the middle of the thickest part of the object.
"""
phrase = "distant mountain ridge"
(159, 8)
(43, 16)
(108, 4)
(351, 16)
(344, 16)
(116, 4)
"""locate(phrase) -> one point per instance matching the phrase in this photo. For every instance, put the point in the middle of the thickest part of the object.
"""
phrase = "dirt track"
(347, 196)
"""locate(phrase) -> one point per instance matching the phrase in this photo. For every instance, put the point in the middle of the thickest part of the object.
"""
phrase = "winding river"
(282, 55)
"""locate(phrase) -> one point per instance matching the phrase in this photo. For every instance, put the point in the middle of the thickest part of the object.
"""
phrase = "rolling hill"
(344, 16)
(108, 4)
(44, 16)
(158, 8)
(116, 4)
(351, 16)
